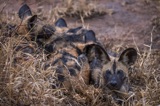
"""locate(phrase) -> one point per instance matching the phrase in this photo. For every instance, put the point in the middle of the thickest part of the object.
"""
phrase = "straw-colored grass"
(27, 83)
(79, 9)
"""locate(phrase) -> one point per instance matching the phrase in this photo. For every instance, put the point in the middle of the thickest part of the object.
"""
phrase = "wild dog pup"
(67, 58)
(110, 72)
(75, 36)
(31, 27)
(36, 31)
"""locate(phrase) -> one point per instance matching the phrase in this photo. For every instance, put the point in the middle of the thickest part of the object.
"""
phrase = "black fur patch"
(72, 72)
(67, 54)
(59, 72)
(77, 67)
(46, 32)
(114, 67)
(31, 23)
(49, 48)
(95, 64)
(25, 48)
(74, 38)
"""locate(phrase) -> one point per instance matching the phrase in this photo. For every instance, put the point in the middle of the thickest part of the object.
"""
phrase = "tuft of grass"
(79, 9)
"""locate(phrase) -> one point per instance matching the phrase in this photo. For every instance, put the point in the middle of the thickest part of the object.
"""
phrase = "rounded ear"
(93, 51)
(24, 12)
(61, 23)
(90, 36)
(32, 21)
(128, 56)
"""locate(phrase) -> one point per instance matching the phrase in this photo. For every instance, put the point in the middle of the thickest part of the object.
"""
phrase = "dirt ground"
(130, 21)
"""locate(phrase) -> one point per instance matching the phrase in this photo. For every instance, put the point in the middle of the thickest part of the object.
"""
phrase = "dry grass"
(28, 83)
(80, 9)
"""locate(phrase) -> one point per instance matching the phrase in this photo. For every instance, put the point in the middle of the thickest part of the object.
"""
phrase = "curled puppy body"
(70, 70)
(66, 54)
(33, 29)
(71, 40)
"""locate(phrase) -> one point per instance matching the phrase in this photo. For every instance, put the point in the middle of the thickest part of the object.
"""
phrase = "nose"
(113, 83)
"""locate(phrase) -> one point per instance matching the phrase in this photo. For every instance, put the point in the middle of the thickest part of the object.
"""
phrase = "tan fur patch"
(23, 27)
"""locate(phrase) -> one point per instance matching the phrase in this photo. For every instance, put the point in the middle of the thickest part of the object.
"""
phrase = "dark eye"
(108, 72)
(107, 75)
(120, 73)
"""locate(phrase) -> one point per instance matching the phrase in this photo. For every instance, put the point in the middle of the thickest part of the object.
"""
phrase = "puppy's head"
(109, 72)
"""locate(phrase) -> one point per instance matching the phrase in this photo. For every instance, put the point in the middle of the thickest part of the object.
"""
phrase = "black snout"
(113, 83)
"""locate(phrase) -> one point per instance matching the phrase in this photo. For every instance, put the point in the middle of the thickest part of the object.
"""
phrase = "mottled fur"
(68, 57)
(112, 72)
(76, 56)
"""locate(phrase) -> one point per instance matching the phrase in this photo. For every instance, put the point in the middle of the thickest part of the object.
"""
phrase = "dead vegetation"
(80, 9)
(29, 84)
